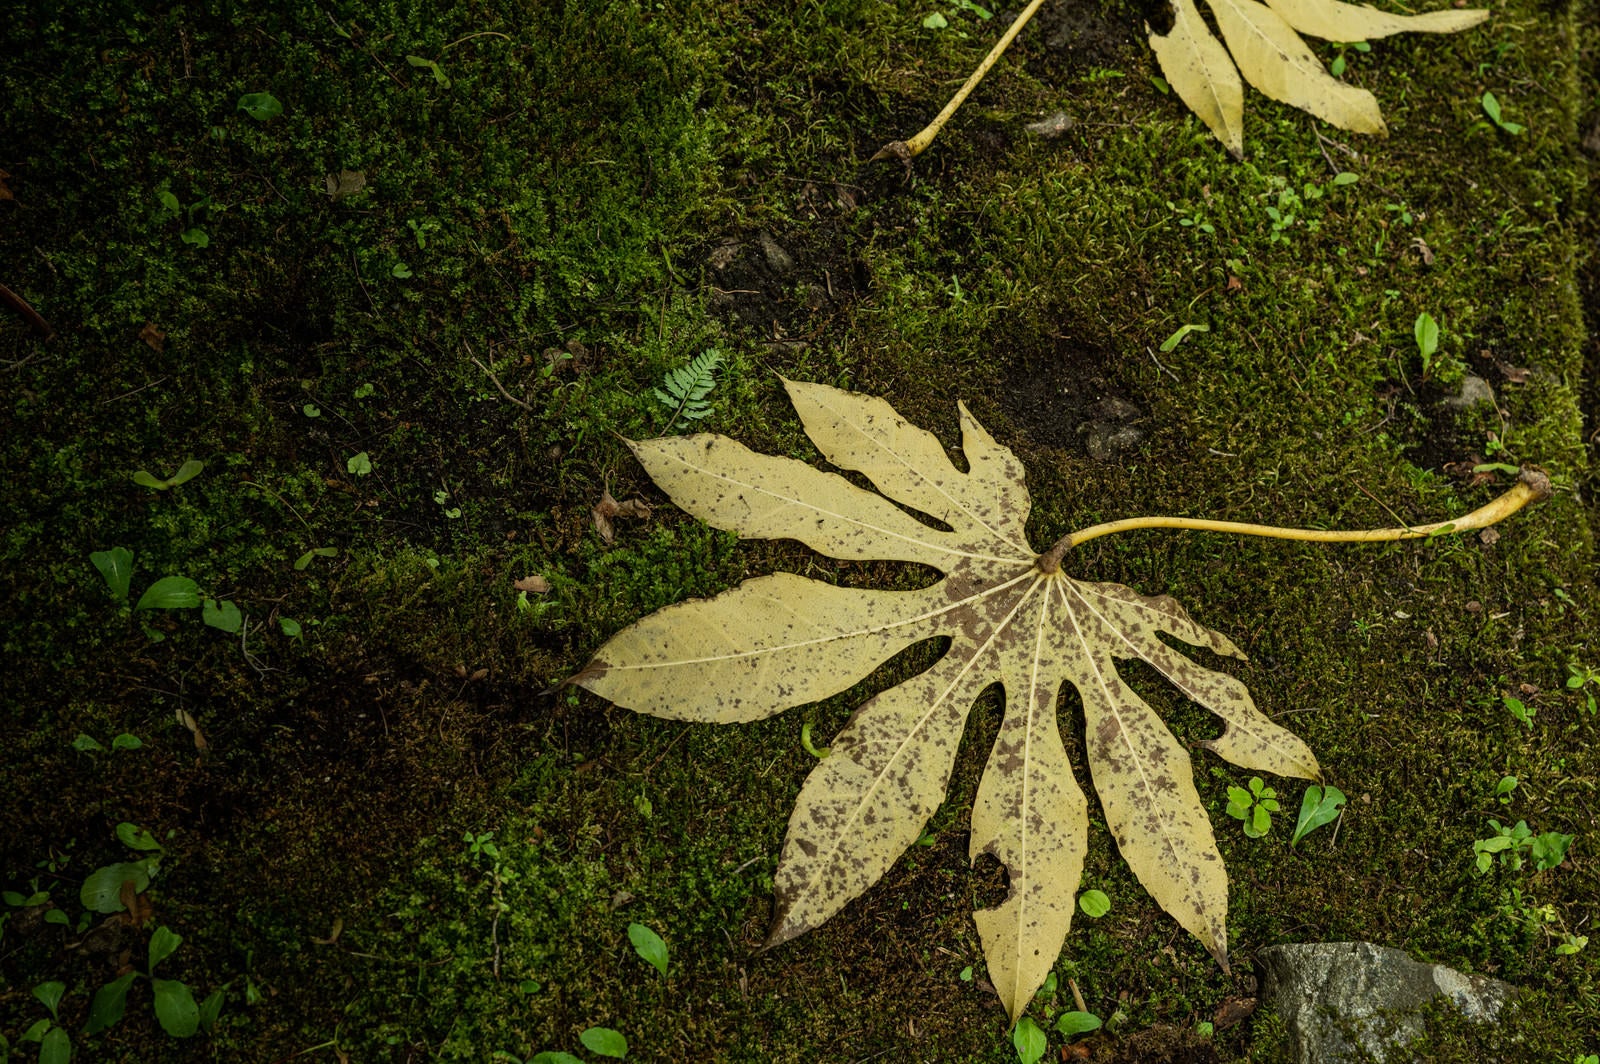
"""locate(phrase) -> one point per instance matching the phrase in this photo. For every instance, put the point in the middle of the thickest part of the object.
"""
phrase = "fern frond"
(685, 389)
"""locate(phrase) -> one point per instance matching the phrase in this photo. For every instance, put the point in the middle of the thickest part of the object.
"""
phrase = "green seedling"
(1073, 1024)
(1176, 338)
(1426, 332)
(1094, 903)
(818, 752)
(1029, 1041)
(55, 1047)
(1511, 844)
(1584, 679)
(359, 465)
(1571, 944)
(116, 566)
(1503, 789)
(175, 1008)
(442, 497)
(401, 271)
(1254, 806)
(430, 65)
(311, 410)
(1491, 107)
(1521, 710)
(223, 616)
(262, 106)
(1340, 63)
(649, 946)
(88, 744)
(364, 390)
(1320, 806)
(170, 593)
(186, 472)
(605, 1042)
(304, 560)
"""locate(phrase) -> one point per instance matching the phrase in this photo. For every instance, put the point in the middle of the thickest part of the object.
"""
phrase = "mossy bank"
(405, 323)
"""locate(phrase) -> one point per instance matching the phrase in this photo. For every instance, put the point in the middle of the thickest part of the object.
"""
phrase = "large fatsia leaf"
(783, 640)
(1264, 40)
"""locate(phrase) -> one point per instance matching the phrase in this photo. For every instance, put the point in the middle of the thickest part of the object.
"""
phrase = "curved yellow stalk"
(906, 150)
(1531, 486)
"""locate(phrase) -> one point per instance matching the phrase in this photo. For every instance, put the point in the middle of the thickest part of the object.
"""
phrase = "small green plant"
(1512, 843)
(1254, 806)
(649, 946)
(1171, 342)
(442, 497)
(88, 744)
(806, 743)
(262, 106)
(186, 472)
(359, 465)
(304, 560)
(55, 1047)
(1320, 806)
(1073, 1024)
(1426, 332)
(1282, 216)
(1571, 944)
(1584, 679)
(1521, 710)
(1503, 789)
(1491, 107)
(1340, 60)
(684, 390)
(604, 1041)
(175, 1007)
(1590, 1058)
(1029, 1041)
(1094, 903)
(419, 63)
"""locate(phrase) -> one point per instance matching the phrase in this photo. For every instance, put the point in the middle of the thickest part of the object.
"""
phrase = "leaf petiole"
(1532, 486)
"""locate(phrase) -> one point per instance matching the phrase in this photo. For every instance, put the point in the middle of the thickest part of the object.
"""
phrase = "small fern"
(685, 389)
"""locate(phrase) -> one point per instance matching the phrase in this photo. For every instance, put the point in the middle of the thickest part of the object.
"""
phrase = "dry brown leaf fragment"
(186, 718)
(344, 183)
(782, 640)
(608, 508)
(153, 337)
(5, 193)
(532, 582)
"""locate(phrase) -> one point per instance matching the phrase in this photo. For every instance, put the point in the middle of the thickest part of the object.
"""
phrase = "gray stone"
(1112, 409)
(1346, 1002)
(777, 258)
(1052, 127)
(1474, 390)
(1106, 439)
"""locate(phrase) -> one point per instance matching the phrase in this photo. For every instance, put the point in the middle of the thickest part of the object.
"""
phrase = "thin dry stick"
(1532, 486)
(906, 150)
(20, 305)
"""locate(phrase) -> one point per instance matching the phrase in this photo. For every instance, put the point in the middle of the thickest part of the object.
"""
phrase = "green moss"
(566, 210)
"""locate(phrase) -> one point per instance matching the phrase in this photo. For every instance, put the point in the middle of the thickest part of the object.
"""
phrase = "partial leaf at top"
(782, 640)
(1263, 40)
(1199, 70)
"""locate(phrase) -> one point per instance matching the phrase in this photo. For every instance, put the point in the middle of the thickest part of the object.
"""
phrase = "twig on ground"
(33, 318)
(498, 385)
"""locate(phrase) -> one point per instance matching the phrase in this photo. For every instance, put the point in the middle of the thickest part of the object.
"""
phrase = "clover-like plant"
(1013, 617)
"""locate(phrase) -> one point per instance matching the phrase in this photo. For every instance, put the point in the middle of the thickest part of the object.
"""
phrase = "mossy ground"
(563, 212)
